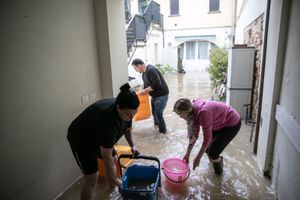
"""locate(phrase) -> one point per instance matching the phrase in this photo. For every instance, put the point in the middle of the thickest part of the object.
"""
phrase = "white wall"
(287, 143)
(117, 44)
(49, 59)
(170, 57)
(272, 79)
(146, 51)
(151, 57)
(194, 20)
(221, 39)
(195, 14)
(250, 10)
(221, 35)
(111, 45)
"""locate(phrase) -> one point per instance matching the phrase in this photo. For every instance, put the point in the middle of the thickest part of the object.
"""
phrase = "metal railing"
(140, 23)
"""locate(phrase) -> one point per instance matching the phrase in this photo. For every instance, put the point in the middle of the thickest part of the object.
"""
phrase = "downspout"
(262, 75)
(163, 30)
(234, 22)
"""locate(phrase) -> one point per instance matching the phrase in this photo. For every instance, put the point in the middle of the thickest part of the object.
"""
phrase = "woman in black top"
(94, 132)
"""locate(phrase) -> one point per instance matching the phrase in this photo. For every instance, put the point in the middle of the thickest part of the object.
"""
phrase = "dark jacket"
(98, 125)
(152, 77)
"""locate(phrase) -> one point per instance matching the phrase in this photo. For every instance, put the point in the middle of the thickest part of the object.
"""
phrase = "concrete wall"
(111, 41)
(49, 60)
(247, 13)
(287, 143)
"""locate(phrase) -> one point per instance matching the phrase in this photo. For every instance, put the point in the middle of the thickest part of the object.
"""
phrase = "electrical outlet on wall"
(92, 96)
(85, 98)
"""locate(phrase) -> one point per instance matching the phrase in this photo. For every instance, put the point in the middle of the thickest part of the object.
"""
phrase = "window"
(174, 7)
(214, 5)
(202, 50)
(190, 50)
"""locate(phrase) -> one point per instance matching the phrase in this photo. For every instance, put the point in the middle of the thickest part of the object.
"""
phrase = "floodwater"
(241, 178)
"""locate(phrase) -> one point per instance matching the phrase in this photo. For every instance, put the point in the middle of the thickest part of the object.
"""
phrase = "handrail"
(138, 26)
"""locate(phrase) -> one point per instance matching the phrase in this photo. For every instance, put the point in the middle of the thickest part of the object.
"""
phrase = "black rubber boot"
(218, 166)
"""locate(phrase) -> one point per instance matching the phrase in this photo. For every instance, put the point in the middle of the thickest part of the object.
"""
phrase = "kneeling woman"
(220, 124)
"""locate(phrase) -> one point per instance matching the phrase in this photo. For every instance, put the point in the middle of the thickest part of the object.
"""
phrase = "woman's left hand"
(196, 162)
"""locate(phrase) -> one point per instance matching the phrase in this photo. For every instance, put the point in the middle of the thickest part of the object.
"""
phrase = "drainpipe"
(262, 75)
(234, 23)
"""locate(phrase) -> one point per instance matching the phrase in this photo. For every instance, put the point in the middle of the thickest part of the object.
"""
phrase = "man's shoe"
(218, 166)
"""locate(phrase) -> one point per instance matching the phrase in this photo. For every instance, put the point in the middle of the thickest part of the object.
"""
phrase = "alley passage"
(241, 178)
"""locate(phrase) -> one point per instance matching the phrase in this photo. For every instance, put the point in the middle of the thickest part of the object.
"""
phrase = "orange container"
(144, 111)
(125, 162)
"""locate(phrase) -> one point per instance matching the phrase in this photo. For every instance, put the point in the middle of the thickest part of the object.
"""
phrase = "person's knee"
(212, 154)
(90, 180)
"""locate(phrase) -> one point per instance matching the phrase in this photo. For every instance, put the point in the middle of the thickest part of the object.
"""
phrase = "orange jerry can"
(144, 111)
(125, 162)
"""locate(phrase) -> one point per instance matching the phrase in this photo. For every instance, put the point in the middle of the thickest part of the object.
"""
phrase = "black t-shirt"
(98, 125)
(152, 77)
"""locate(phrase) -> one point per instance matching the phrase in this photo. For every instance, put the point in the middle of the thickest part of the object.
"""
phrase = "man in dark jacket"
(156, 86)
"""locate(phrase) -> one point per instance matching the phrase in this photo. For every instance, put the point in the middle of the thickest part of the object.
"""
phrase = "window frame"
(211, 4)
(202, 44)
(174, 14)
(192, 55)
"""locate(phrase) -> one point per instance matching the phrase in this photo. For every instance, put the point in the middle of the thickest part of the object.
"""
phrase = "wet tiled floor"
(241, 178)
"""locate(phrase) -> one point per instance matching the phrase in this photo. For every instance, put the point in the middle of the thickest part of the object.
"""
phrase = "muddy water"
(241, 178)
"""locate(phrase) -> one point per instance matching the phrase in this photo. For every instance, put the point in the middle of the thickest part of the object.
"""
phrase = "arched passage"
(193, 54)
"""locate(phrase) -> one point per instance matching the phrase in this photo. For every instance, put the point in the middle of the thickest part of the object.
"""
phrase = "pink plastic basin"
(176, 170)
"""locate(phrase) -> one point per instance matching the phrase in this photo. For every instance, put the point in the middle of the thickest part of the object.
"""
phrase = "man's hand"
(143, 92)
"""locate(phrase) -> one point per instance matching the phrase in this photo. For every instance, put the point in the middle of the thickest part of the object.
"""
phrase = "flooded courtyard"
(241, 178)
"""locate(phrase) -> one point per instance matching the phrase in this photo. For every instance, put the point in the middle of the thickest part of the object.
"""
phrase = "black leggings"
(221, 139)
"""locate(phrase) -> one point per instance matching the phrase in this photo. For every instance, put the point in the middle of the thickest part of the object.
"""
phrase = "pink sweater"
(212, 116)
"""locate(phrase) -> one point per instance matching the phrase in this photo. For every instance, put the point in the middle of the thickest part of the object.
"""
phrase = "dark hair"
(183, 105)
(127, 99)
(137, 61)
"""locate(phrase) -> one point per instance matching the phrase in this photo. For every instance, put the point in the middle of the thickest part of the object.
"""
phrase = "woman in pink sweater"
(220, 124)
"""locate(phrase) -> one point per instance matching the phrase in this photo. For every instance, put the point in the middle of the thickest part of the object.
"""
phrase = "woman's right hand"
(119, 183)
(186, 158)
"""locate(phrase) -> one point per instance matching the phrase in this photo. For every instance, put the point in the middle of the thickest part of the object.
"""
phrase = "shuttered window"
(174, 7)
(214, 5)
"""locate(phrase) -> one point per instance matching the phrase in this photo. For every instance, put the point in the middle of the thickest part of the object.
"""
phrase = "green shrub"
(218, 65)
(164, 68)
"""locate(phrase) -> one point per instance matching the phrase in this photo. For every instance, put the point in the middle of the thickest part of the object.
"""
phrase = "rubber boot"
(218, 166)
